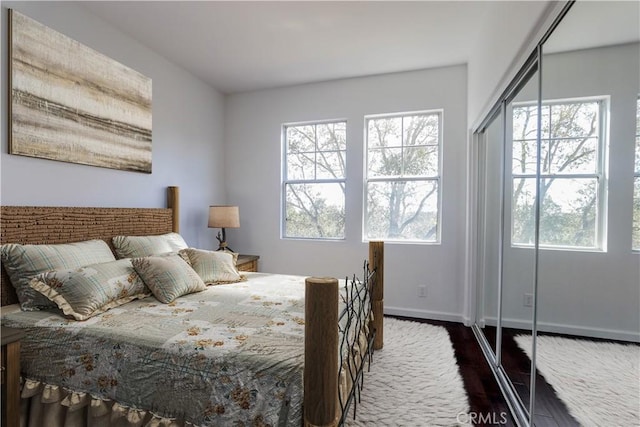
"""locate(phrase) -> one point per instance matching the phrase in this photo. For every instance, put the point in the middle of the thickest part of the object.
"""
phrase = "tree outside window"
(571, 174)
(314, 180)
(402, 190)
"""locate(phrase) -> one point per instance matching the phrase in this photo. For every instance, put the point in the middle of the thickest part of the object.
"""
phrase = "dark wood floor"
(549, 410)
(485, 399)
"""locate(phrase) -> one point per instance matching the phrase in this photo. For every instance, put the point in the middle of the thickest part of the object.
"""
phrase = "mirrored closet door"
(506, 274)
(519, 233)
(490, 153)
(588, 314)
(558, 224)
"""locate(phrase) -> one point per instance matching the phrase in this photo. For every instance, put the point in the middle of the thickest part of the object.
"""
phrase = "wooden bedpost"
(321, 353)
(376, 262)
(173, 203)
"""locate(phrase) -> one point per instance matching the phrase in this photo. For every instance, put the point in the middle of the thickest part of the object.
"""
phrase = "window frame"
(636, 171)
(410, 178)
(601, 175)
(286, 181)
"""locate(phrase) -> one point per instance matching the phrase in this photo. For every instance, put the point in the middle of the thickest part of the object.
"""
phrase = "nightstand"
(247, 263)
(10, 358)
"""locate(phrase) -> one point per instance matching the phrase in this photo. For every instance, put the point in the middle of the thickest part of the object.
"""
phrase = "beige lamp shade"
(224, 217)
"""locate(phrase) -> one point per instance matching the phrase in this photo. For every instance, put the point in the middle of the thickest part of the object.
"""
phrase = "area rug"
(599, 382)
(414, 380)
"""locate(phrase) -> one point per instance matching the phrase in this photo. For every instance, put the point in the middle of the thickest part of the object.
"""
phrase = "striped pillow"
(214, 267)
(87, 291)
(168, 276)
(141, 246)
(23, 262)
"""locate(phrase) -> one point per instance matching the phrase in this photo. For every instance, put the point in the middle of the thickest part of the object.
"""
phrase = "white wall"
(507, 34)
(187, 134)
(189, 151)
(503, 37)
(594, 293)
(254, 152)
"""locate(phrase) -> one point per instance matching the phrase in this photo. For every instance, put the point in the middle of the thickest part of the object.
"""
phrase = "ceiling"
(238, 46)
(596, 23)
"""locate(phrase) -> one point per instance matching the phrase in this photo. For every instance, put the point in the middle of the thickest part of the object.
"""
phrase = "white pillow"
(168, 276)
(93, 289)
(141, 246)
(23, 262)
(214, 267)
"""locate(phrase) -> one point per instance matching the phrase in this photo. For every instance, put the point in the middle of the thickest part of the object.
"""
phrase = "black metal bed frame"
(357, 299)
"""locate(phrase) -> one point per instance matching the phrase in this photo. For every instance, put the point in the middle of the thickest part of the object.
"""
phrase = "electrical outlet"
(528, 300)
(422, 291)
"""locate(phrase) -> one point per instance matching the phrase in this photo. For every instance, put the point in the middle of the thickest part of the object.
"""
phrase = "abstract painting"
(73, 104)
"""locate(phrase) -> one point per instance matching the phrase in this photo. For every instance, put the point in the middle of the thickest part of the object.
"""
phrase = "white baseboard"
(590, 332)
(467, 321)
(424, 314)
(612, 334)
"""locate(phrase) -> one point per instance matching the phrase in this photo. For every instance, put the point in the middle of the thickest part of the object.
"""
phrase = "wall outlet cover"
(528, 300)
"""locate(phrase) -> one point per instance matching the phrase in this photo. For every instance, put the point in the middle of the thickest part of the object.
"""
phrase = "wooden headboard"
(50, 225)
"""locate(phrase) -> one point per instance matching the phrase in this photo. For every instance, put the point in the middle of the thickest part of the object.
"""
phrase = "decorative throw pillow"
(214, 267)
(168, 276)
(23, 262)
(93, 289)
(141, 246)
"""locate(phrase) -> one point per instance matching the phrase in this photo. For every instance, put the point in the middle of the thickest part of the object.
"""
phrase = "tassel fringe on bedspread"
(46, 405)
(53, 406)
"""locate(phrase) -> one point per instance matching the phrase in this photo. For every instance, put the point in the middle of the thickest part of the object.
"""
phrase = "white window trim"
(636, 172)
(602, 176)
(437, 178)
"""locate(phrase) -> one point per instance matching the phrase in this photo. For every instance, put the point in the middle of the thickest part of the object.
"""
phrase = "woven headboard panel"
(50, 225)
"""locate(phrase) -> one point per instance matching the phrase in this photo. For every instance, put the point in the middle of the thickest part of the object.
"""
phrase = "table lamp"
(224, 217)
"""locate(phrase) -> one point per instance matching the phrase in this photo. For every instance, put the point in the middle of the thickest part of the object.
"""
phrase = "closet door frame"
(522, 413)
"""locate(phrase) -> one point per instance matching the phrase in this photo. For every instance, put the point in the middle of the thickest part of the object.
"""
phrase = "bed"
(271, 350)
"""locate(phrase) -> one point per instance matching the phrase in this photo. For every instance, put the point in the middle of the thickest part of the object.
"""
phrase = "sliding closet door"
(519, 235)
(589, 265)
(506, 245)
(558, 250)
(490, 159)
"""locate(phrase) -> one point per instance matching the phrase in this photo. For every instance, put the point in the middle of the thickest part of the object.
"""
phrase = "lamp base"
(222, 240)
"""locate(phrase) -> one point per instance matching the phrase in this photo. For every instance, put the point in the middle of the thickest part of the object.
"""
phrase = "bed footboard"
(376, 265)
(334, 367)
(321, 353)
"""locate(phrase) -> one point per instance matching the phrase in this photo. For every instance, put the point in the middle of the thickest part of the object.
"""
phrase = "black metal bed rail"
(356, 342)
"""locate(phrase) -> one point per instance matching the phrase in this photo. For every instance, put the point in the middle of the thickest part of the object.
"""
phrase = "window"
(636, 185)
(571, 172)
(314, 180)
(402, 191)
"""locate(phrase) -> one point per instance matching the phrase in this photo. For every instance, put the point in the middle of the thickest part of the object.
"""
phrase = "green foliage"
(399, 148)
(328, 224)
(312, 209)
(398, 208)
(569, 211)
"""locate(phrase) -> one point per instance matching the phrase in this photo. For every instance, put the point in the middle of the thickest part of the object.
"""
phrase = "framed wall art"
(73, 104)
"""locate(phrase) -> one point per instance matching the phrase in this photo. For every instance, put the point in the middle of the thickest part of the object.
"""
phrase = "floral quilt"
(230, 355)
